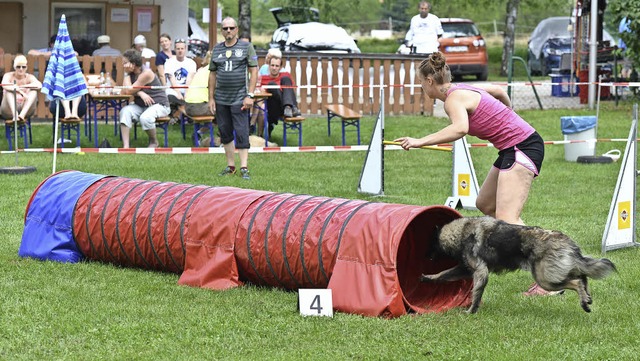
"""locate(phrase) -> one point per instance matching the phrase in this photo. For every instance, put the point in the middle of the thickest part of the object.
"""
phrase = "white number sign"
(315, 302)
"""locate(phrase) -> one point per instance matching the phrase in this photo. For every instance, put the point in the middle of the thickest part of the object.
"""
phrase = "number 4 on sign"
(315, 302)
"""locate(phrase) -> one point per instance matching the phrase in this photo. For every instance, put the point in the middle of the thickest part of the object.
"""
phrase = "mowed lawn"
(96, 311)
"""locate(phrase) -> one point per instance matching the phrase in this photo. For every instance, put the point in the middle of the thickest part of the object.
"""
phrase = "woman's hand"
(128, 67)
(407, 143)
(146, 98)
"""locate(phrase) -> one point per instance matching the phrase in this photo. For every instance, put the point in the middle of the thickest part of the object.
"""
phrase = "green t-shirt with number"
(231, 64)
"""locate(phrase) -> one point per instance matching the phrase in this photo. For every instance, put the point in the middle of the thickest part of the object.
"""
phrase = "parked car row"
(299, 30)
(462, 43)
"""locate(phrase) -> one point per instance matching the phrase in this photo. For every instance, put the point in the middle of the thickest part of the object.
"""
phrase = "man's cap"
(104, 39)
(140, 40)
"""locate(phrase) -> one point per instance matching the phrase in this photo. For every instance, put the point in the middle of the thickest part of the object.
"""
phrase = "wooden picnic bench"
(348, 118)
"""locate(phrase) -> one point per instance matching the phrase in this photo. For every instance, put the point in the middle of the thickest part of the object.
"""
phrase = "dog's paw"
(585, 306)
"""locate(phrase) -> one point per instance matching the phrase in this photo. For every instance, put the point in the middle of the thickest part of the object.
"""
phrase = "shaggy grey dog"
(485, 244)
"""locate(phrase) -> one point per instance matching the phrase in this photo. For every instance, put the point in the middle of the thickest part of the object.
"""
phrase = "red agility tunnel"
(369, 254)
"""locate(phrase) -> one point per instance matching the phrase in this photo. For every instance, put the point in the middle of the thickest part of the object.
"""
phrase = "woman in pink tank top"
(485, 111)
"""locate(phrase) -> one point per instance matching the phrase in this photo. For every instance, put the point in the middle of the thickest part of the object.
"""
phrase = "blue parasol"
(64, 79)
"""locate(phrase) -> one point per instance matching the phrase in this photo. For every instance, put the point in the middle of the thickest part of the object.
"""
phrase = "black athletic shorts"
(233, 123)
(529, 153)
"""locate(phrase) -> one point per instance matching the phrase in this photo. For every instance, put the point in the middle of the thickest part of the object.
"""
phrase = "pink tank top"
(495, 122)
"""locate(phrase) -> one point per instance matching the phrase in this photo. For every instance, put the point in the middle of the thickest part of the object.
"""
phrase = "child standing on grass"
(485, 112)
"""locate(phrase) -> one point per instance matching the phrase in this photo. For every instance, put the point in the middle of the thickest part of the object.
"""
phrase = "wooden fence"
(354, 80)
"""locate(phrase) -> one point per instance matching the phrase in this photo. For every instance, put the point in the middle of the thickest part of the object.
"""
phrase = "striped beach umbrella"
(64, 79)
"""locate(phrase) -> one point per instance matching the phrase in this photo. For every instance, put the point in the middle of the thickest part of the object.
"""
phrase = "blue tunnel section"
(48, 233)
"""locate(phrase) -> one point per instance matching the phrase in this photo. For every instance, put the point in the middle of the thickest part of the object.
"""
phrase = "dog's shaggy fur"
(484, 244)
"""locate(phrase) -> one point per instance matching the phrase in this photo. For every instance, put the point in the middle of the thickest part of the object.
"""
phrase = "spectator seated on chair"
(197, 95)
(44, 51)
(264, 69)
(140, 44)
(26, 89)
(197, 101)
(179, 71)
(282, 102)
(104, 48)
(150, 102)
(75, 108)
(257, 117)
(70, 114)
(163, 55)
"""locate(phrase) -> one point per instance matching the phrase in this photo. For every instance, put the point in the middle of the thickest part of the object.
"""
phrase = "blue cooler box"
(579, 128)
(564, 89)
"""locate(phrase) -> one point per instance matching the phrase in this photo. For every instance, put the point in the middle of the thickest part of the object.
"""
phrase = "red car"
(464, 47)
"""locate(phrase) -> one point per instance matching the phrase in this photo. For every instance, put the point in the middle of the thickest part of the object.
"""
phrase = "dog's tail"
(597, 268)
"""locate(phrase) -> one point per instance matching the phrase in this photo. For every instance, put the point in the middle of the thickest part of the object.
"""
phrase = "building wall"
(174, 15)
(35, 24)
(173, 18)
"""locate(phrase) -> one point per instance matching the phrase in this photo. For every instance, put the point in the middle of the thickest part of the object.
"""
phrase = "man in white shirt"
(179, 71)
(140, 44)
(424, 31)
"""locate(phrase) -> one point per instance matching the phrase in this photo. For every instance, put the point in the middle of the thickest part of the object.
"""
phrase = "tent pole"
(55, 135)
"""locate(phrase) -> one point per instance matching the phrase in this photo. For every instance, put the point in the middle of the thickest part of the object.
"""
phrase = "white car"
(299, 30)
(198, 39)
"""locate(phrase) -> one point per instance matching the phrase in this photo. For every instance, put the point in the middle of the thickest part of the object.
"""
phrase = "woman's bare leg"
(67, 109)
(75, 104)
(512, 193)
(486, 201)
(29, 105)
(8, 108)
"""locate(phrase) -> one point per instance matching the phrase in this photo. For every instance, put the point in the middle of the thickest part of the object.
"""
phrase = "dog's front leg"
(480, 279)
(452, 274)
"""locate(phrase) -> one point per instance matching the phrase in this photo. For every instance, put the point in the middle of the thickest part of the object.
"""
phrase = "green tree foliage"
(397, 10)
(630, 9)
(261, 19)
(244, 18)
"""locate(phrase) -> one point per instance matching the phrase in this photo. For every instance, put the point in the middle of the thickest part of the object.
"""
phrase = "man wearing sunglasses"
(232, 81)
(21, 104)
(179, 71)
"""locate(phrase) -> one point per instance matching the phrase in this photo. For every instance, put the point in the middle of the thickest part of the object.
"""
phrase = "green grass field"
(94, 311)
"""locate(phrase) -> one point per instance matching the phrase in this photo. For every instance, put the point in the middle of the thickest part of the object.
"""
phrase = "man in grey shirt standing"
(230, 97)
